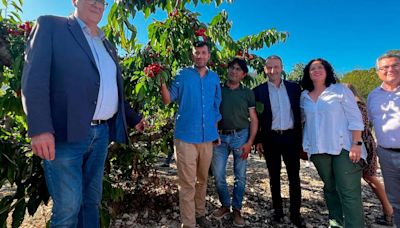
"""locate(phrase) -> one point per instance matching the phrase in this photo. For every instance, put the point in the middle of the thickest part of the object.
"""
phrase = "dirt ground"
(257, 205)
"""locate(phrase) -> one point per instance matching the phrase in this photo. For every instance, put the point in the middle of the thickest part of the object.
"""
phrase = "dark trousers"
(282, 146)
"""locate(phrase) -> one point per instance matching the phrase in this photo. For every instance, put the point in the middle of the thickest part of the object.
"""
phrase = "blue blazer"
(60, 83)
(261, 94)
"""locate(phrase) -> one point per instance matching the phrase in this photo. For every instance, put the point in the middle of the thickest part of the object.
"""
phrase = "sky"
(350, 34)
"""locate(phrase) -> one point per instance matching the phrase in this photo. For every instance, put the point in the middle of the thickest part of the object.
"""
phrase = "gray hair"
(274, 57)
(386, 56)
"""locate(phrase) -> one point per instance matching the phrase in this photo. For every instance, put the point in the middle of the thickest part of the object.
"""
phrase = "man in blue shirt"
(383, 111)
(197, 91)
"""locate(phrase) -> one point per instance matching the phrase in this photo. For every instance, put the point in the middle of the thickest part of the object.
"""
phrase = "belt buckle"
(279, 132)
(226, 132)
(96, 122)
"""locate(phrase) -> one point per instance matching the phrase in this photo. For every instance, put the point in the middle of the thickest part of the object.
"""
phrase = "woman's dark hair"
(306, 82)
(242, 64)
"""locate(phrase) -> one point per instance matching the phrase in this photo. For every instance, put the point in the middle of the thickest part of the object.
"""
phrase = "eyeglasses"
(102, 3)
(386, 68)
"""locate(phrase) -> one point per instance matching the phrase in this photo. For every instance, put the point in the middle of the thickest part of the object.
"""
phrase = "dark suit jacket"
(261, 94)
(60, 83)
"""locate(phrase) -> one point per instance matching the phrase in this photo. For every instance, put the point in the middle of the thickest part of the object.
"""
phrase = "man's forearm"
(253, 126)
(253, 131)
(165, 94)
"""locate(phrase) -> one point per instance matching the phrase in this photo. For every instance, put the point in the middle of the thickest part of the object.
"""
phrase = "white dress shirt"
(330, 120)
(282, 115)
(107, 99)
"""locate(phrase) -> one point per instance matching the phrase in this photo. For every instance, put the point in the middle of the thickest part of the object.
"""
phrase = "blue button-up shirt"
(198, 101)
(384, 113)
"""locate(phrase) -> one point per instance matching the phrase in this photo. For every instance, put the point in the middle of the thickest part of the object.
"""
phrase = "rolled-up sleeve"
(351, 111)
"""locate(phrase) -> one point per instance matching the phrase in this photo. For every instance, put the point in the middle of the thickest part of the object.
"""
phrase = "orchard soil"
(157, 205)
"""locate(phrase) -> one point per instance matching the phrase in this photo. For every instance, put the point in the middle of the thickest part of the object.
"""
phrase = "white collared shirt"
(107, 99)
(330, 120)
(384, 113)
(282, 115)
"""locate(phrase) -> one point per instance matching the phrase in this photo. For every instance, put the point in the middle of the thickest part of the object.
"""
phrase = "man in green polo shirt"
(237, 134)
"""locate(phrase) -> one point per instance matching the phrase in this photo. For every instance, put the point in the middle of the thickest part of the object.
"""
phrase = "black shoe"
(278, 217)
(203, 222)
(298, 221)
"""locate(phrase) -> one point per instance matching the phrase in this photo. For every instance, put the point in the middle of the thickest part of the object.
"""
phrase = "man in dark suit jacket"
(73, 98)
(280, 135)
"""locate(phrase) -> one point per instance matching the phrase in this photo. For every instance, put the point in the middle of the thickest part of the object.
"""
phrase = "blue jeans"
(75, 177)
(390, 165)
(230, 143)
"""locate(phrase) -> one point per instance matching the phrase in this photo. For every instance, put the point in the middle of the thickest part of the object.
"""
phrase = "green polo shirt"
(235, 107)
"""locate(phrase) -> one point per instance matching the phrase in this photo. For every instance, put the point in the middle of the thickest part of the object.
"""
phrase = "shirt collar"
(281, 85)
(238, 88)
(194, 68)
(86, 29)
(396, 90)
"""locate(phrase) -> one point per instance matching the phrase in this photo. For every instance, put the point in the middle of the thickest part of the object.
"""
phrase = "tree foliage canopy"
(167, 50)
(363, 80)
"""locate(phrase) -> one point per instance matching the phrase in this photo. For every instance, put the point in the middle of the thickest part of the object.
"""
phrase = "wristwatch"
(358, 143)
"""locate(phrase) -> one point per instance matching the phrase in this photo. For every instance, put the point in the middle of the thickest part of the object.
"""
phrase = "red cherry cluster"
(223, 65)
(201, 32)
(174, 13)
(152, 70)
(246, 56)
(23, 29)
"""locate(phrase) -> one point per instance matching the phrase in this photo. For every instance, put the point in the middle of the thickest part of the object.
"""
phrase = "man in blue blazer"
(280, 135)
(73, 98)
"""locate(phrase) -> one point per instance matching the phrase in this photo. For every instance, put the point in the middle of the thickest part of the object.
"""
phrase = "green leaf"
(5, 208)
(105, 218)
(168, 6)
(150, 84)
(138, 87)
(18, 213)
(259, 107)
(17, 7)
(147, 12)
(112, 14)
(141, 93)
(11, 174)
(16, 15)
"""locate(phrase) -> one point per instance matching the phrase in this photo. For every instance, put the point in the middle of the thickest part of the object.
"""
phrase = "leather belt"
(392, 149)
(281, 132)
(97, 122)
(229, 132)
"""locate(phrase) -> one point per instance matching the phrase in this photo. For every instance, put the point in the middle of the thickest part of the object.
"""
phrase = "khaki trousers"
(193, 162)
